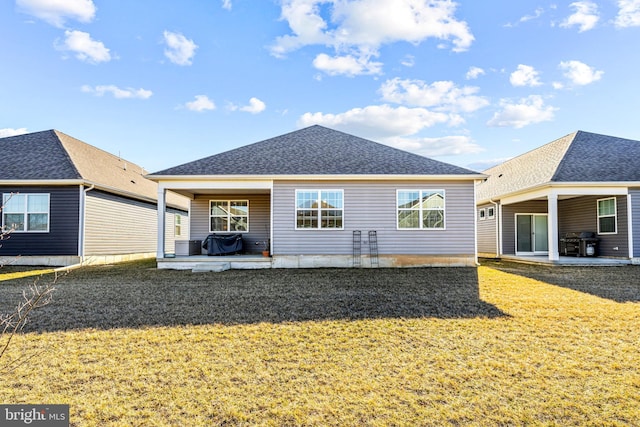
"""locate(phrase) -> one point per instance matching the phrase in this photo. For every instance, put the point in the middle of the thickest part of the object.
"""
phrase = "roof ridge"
(66, 152)
(566, 151)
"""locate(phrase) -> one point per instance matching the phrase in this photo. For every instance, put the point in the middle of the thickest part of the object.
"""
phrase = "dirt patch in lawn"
(619, 283)
(137, 294)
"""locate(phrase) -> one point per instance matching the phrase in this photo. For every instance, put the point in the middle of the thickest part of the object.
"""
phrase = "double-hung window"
(25, 212)
(421, 209)
(607, 216)
(482, 214)
(228, 216)
(319, 209)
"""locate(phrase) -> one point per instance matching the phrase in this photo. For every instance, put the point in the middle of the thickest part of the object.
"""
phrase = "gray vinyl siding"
(581, 214)
(117, 225)
(487, 230)
(170, 235)
(635, 219)
(371, 206)
(259, 218)
(509, 221)
(62, 238)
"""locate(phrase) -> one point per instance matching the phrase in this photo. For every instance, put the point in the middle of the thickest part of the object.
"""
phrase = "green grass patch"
(490, 346)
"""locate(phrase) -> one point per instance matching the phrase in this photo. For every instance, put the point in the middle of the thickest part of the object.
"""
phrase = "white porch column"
(552, 223)
(162, 207)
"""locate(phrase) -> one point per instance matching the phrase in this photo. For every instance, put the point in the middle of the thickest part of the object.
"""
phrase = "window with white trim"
(25, 213)
(491, 213)
(607, 216)
(228, 216)
(421, 209)
(319, 209)
(482, 214)
(177, 222)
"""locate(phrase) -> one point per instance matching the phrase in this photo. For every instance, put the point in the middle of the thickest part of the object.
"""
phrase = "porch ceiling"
(199, 191)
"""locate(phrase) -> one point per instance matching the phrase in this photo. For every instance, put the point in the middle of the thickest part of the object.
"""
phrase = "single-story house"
(313, 196)
(67, 202)
(581, 185)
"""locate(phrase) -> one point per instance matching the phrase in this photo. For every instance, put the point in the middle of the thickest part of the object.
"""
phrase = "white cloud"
(85, 48)
(56, 12)
(360, 28)
(378, 121)
(226, 4)
(536, 14)
(580, 73)
(408, 61)
(629, 14)
(255, 106)
(441, 95)
(525, 112)
(474, 73)
(432, 147)
(525, 75)
(394, 126)
(180, 50)
(585, 16)
(118, 93)
(201, 103)
(12, 132)
(346, 65)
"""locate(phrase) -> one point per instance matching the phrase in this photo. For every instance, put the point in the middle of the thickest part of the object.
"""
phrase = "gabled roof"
(52, 157)
(580, 157)
(315, 150)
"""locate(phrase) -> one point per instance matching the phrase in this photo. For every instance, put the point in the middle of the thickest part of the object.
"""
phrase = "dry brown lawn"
(503, 344)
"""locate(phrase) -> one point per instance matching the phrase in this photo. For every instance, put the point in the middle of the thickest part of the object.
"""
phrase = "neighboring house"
(307, 191)
(67, 202)
(581, 182)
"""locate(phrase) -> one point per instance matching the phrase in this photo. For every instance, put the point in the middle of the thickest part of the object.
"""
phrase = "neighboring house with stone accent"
(308, 191)
(580, 182)
(67, 202)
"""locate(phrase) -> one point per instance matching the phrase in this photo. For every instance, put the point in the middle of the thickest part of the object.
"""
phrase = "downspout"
(475, 221)
(631, 253)
(83, 213)
(498, 218)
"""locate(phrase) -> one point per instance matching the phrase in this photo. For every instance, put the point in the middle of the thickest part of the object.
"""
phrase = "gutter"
(83, 213)
(327, 177)
(498, 217)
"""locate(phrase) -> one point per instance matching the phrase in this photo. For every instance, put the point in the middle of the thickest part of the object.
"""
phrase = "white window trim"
(26, 213)
(615, 214)
(421, 190)
(482, 214)
(319, 209)
(228, 201)
(491, 213)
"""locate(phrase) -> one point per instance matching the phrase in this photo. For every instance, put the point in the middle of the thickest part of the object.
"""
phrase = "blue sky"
(468, 82)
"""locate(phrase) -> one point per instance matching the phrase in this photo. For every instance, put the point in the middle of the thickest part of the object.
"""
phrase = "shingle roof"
(315, 150)
(51, 156)
(577, 157)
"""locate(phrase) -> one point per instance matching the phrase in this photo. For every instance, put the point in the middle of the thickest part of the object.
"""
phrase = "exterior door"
(532, 234)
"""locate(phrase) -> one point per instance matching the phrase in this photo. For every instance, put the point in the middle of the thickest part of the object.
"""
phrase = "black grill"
(582, 243)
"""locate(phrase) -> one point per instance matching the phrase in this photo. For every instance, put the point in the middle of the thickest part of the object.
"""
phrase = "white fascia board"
(43, 183)
(173, 179)
(567, 189)
(69, 182)
(227, 184)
